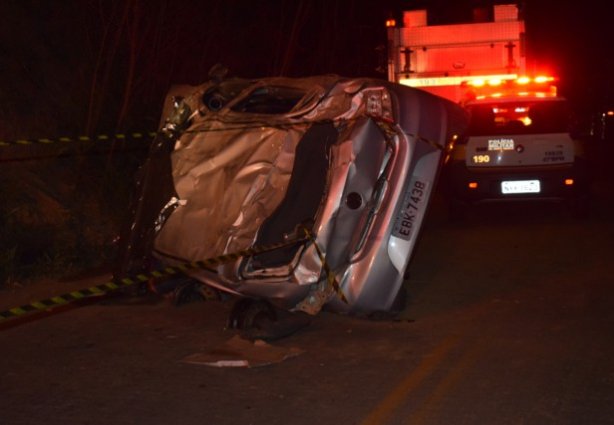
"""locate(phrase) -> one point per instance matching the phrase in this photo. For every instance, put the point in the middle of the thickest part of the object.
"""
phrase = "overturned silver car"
(334, 173)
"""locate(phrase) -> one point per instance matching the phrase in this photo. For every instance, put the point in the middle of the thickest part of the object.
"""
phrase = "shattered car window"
(270, 100)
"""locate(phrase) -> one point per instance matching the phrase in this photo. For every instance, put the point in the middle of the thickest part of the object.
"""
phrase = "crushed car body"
(334, 172)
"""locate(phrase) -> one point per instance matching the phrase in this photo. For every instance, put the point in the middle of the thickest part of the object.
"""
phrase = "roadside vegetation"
(60, 216)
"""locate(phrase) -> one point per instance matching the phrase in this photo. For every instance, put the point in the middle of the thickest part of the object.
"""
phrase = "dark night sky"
(576, 39)
(88, 65)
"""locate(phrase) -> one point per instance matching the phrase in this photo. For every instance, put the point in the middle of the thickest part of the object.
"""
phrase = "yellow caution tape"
(111, 286)
(322, 291)
(97, 138)
(331, 279)
(114, 285)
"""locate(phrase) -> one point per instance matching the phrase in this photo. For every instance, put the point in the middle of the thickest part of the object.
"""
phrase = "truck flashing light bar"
(501, 85)
(494, 81)
(540, 86)
(454, 81)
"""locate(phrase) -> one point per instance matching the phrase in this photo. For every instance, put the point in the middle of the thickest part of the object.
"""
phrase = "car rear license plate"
(410, 214)
(520, 186)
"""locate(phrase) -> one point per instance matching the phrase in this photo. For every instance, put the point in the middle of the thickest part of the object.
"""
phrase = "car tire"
(250, 313)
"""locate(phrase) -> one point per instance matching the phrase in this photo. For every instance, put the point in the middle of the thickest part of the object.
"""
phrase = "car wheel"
(248, 313)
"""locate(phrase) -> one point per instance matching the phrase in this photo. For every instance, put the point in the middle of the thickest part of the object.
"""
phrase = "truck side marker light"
(473, 185)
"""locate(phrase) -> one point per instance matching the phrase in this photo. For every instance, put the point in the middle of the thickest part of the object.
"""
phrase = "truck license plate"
(520, 186)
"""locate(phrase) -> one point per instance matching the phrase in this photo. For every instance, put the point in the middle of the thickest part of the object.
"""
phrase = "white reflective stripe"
(528, 150)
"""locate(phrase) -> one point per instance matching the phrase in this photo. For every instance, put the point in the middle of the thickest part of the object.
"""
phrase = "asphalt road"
(509, 320)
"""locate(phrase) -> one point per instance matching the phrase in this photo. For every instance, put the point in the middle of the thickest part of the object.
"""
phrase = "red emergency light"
(496, 87)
